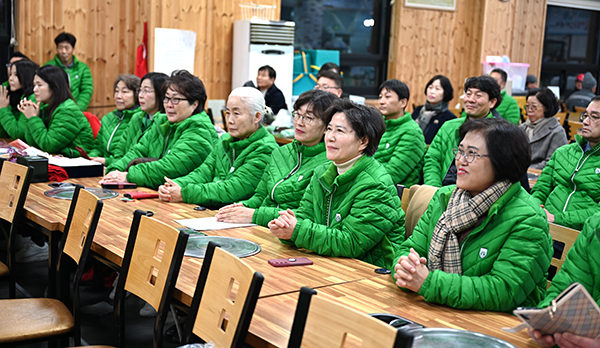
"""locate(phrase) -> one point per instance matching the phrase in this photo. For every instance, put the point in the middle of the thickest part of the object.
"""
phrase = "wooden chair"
(573, 127)
(561, 117)
(53, 319)
(563, 239)
(15, 180)
(579, 110)
(418, 203)
(404, 195)
(151, 264)
(224, 300)
(322, 322)
(521, 101)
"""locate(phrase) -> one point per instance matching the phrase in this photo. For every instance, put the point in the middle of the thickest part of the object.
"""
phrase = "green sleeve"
(407, 160)
(522, 263)
(86, 88)
(14, 124)
(99, 149)
(433, 170)
(513, 113)
(545, 183)
(575, 218)
(360, 231)
(203, 174)
(62, 131)
(582, 264)
(237, 186)
(139, 150)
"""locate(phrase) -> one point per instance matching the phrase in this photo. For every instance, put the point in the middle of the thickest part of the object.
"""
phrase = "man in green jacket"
(508, 108)
(482, 94)
(402, 146)
(582, 266)
(80, 76)
(568, 188)
(234, 168)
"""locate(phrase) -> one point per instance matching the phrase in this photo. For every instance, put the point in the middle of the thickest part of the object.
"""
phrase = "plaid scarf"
(462, 213)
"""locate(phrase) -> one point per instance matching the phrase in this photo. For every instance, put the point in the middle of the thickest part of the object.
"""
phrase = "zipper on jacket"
(112, 135)
(573, 176)
(166, 143)
(329, 205)
(294, 170)
(230, 161)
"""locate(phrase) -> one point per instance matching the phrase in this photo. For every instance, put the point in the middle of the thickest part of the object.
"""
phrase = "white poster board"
(174, 49)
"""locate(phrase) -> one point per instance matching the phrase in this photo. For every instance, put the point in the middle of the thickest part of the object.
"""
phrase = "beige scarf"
(462, 213)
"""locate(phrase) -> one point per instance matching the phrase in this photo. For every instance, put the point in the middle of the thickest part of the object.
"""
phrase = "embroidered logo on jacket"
(597, 170)
(300, 177)
(338, 217)
(483, 252)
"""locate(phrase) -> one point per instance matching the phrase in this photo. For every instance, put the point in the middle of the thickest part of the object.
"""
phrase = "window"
(358, 29)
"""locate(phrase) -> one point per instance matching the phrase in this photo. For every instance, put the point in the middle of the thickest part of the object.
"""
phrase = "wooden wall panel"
(424, 43)
(499, 19)
(108, 33)
(528, 34)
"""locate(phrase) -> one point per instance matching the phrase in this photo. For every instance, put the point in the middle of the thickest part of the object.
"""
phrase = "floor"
(97, 322)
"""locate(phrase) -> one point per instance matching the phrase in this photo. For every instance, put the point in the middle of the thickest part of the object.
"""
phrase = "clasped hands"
(170, 191)
(411, 271)
(235, 213)
(29, 108)
(283, 227)
(565, 340)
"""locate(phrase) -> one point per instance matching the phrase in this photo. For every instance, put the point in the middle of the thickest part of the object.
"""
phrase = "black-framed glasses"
(593, 118)
(325, 87)
(469, 156)
(173, 101)
(306, 119)
(143, 91)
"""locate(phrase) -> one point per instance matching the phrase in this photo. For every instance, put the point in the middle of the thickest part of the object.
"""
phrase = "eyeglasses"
(306, 119)
(593, 117)
(325, 87)
(531, 107)
(469, 156)
(173, 101)
(145, 91)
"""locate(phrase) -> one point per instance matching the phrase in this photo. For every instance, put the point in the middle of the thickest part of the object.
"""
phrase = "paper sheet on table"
(209, 223)
(59, 160)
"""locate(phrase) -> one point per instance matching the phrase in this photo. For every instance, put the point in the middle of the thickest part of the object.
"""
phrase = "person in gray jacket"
(543, 130)
(583, 97)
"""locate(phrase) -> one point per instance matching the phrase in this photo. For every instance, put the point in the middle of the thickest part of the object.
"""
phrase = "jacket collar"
(309, 151)
(398, 121)
(545, 130)
(581, 141)
(60, 63)
(166, 126)
(331, 178)
(230, 142)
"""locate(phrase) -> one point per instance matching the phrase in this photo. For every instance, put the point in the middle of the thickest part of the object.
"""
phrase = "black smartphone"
(119, 185)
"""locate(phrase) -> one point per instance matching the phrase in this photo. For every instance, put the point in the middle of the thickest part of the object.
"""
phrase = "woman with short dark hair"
(106, 147)
(20, 86)
(484, 243)
(181, 140)
(432, 115)
(291, 167)
(351, 207)
(55, 124)
(544, 131)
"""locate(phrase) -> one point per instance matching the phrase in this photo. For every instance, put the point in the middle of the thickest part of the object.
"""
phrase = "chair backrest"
(94, 122)
(14, 181)
(574, 127)
(563, 239)
(224, 300)
(403, 194)
(80, 227)
(521, 101)
(151, 264)
(321, 321)
(579, 110)
(561, 116)
(418, 203)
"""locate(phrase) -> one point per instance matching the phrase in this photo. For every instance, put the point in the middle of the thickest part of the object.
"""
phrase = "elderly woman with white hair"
(236, 165)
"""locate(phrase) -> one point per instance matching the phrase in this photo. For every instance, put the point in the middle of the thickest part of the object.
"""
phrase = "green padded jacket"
(139, 124)
(505, 259)
(356, 214)
(439, 157)
(111, 133)
(180, 148)
(401, 150)
(509, 109)
(61, 132)
(284, 180)
(231, 172)
(80, 80)
(568, 186)
(13, 124)
(582, 264)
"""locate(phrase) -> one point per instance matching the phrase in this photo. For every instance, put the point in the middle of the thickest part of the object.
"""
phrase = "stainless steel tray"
(196, 246)
(67, 192)
(452, 338)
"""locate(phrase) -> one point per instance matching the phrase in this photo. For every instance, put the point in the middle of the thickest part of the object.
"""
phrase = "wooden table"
(352, 281)
(273, 317)
(283, 141)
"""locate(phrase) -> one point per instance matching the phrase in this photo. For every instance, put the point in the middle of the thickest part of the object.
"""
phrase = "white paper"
(174, 49)
(61, 161)
(209, 223)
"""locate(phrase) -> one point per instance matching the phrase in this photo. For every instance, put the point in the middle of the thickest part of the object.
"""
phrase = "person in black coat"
(266, 84)
(434, 112)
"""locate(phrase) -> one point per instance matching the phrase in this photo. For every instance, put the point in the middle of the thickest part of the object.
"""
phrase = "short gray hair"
(252, 98)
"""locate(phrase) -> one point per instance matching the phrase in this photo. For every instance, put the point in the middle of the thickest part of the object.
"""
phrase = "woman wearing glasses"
(234, 168)
(151, 95)
(544, 131)
(181, 140)
(351, 207)
(111, 133)
(291, 166)
(484, 243)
